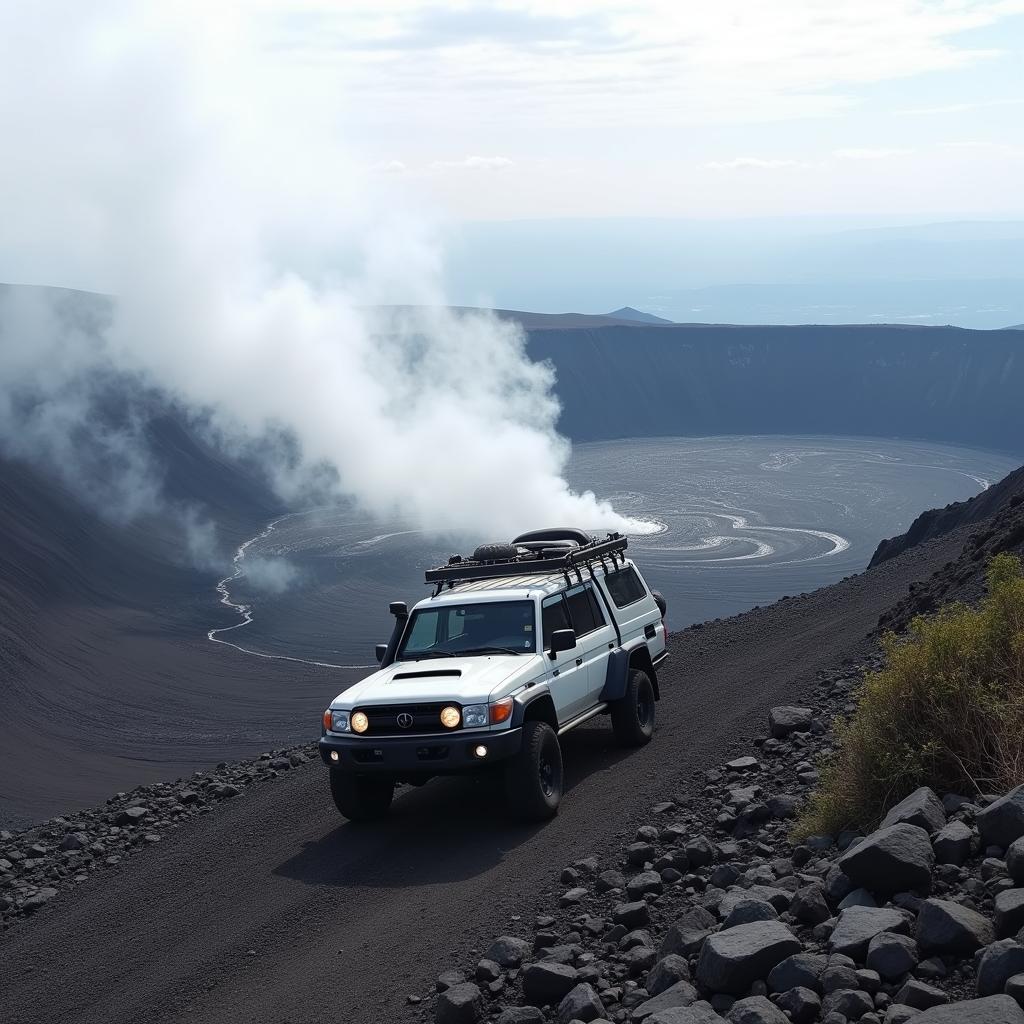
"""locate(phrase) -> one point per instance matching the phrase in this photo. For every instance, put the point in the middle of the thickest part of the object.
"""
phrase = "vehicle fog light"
(359, 722)
(480, 751)
(334, 755)
(450, 717)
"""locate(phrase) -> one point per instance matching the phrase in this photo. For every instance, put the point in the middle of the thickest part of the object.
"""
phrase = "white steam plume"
(166, 158)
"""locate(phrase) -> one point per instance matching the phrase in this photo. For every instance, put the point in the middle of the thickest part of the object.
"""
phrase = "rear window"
(625, 586)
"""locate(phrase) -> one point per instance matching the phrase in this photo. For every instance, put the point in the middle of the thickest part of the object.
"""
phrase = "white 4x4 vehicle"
(516, 646)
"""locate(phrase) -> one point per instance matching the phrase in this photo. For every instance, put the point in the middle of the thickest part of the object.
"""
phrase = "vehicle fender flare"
(534, 704)
(633, 654)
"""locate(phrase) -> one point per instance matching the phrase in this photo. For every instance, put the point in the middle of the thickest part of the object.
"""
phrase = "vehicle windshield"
(455, 630)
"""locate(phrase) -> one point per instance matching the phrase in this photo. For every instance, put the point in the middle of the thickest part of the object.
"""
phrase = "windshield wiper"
(490, 650)
(430, 654)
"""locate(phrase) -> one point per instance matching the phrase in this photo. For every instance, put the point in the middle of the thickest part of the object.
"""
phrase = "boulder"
(801, 970)
(547, 982)
(857, 926)
(920, 996)
(891, 860)
(809, 905)
(580, 1003)
(1015, 988)
(892, 955)
(666, 972)
(131, 816)
(699, 1013)
(947, 927)
(508, 951)
(460, 1004)
(784, 720)
(610, 879)
(749, 909)
(632, 915)
(731, 960)
(1015, 860)
(802, 1005)
(756, 1010)
(1009, 912)
(952, 844)
(1002, 822)
(999, 962)
(682, 993)
(922, 808)
(990, 1010)
(521, 1015)
(900, 1014)
(849, 1003)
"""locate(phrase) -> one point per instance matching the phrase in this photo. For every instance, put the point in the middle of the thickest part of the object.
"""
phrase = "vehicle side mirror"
(398, 608)
(380, 650)
(562, 640)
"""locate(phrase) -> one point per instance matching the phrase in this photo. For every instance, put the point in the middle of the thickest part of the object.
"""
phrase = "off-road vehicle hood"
(463, 680)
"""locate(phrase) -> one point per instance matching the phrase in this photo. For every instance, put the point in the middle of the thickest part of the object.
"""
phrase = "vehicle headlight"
(359, 722)
(474, 715)
(450, 717)
(339, 721)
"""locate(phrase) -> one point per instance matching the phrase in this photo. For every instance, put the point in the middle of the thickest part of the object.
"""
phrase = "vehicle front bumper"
(419, 755)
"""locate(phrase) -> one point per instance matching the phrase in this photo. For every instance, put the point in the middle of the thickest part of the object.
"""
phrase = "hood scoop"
(430, 674)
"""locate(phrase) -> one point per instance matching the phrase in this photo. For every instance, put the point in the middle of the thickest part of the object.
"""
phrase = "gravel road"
(272, 909)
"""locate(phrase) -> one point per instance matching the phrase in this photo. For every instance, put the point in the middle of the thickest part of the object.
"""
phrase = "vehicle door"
(568, 676)
(595, 636)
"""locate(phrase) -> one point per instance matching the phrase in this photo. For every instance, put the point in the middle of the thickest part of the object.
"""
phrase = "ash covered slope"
(935, 383)
(938, 521)
(96, 617)
(990, 523)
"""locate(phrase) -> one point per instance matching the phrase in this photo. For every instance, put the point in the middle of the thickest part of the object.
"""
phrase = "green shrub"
(946, 711)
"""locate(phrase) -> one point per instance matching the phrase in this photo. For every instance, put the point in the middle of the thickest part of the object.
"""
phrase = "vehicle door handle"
(579, 661)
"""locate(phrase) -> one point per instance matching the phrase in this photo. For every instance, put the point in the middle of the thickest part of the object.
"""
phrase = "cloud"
(390, 167)
(743, 163)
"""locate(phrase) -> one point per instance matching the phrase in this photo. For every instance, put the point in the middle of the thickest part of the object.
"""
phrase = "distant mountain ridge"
(945, 384)
(638, 315)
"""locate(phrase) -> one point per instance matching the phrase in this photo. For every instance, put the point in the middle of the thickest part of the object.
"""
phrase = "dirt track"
(271, 909)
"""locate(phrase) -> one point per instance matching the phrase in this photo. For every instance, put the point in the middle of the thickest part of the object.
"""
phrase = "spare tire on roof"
(495, 553)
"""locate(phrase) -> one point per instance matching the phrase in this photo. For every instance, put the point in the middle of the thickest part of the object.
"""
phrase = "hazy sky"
(724, 108)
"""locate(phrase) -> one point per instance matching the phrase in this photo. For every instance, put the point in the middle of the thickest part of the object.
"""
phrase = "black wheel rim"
(547, 775)
(643, 710)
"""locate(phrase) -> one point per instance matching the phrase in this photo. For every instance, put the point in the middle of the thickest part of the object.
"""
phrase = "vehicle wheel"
(633, 714)
(533, 778)
(495, 552)
(360, 798)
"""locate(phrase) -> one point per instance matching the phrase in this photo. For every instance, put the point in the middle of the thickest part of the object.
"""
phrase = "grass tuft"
(946, 711)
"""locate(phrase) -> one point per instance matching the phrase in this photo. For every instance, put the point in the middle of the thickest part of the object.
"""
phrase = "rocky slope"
(935, 522)
(711, 914)
(992, 522)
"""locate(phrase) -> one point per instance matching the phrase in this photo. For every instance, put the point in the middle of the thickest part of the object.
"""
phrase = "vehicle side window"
(583, 611)
(554, 616)
(625, 587)
(595, 606)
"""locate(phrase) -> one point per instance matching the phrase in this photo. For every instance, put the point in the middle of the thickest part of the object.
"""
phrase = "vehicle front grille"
(426, 718)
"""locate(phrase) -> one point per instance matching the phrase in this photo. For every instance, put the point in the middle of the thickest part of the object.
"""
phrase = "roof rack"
(585, 556)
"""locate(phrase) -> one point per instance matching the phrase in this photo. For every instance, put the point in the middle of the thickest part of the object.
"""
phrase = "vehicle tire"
(633, 714)
(360, 797)
(495, 552)
(533, 778)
